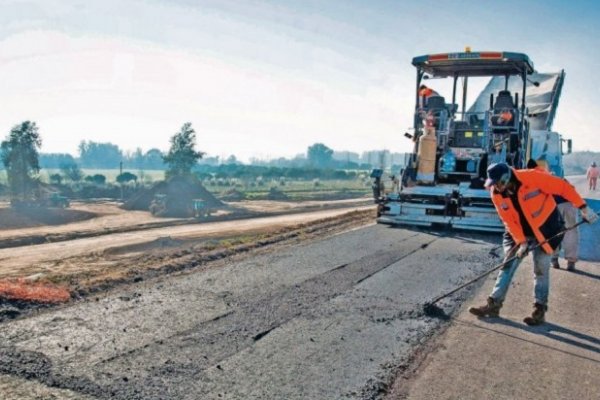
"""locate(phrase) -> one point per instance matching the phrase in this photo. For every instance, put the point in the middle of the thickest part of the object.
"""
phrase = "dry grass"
(22, 290)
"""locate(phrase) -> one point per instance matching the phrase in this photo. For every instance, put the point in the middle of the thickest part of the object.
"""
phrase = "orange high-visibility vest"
(506, 116)
(426, 92)
(535, 196)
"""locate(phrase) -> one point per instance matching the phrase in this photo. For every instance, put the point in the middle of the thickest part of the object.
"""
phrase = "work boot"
(555, 264)
(571, 266)
(537, 316)
(491, 309)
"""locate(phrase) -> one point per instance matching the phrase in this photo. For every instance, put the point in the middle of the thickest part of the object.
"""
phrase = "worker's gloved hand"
(589, 215)
(522, 250)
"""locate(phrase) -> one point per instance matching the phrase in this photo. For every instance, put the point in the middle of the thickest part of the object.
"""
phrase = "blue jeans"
(541, 272)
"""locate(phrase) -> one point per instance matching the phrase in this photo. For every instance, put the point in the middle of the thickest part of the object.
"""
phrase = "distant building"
(382, 159)
(346, 156)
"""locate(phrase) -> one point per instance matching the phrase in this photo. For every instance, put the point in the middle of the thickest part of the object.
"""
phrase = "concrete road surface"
(504, 359)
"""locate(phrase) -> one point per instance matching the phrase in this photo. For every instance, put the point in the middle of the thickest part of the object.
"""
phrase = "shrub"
(97, 179)
(56, 179)
(126, 177)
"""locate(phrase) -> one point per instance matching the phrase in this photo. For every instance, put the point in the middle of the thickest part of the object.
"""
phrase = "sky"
(267, 78)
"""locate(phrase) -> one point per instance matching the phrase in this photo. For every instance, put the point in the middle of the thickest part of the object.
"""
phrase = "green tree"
(53, 160)
(136, 159)
(21, 159)
(319, 155)
(182, 155)
(71, 171)
(153, 159)
(99, 155)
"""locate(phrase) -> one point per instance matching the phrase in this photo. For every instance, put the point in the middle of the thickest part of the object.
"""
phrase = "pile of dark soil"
(11, 218)
(180, 193)
(276, 194)
(233, 195)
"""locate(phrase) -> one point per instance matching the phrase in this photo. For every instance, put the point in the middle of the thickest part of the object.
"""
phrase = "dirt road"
(37, 259)
(328, 319)
(107, 217)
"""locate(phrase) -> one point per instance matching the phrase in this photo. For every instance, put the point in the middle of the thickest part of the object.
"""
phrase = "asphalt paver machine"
(510, 121)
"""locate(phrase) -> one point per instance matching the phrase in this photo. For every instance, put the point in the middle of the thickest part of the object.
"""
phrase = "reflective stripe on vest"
(537, 212)
(533, 194)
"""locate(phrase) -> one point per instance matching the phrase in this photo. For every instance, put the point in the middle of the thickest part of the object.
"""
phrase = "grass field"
(299, 189)
(253, 189)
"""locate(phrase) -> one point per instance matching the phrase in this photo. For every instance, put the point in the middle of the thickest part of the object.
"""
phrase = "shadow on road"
(586, 274)
(549, 330)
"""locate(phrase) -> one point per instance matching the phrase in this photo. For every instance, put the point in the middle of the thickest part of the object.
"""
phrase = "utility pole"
(121, 173)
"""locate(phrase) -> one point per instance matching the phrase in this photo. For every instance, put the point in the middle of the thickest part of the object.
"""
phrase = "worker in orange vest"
(525, 204)
(505, 117)
(592, 175)
(425, 93)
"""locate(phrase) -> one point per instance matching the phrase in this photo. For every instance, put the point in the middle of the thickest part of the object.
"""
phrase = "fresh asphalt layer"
(327, 319)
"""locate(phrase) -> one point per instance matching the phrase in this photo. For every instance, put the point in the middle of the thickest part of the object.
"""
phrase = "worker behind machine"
(424, 94)
(503, 110)
(592, 175)
(568, 213)
(505, 117)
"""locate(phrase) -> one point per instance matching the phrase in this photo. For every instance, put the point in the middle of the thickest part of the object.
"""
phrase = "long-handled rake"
(432, 310)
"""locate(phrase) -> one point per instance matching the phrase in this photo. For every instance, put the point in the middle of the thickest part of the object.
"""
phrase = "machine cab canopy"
(483, 63)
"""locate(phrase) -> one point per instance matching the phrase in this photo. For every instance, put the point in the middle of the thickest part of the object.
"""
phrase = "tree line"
(94, 155)
(20, 157)
(22, 160)
(97, 155)
(250, 172)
